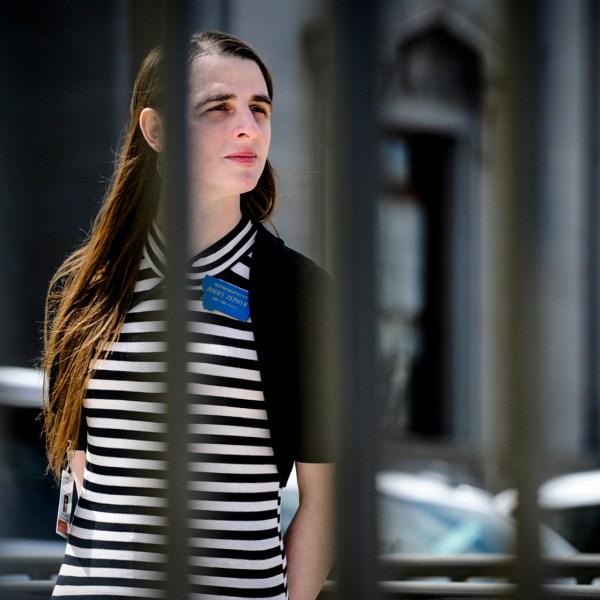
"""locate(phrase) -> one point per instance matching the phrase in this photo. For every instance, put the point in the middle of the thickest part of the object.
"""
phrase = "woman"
(250, 411)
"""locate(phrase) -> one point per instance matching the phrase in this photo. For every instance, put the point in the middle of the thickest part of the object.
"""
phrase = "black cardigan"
(290, 309)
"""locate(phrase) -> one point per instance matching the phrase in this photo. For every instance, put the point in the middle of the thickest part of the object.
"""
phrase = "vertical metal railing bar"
(592, 433)
(545, 52)
(552, 119)
(527, 203)
(526, 446)
(526, 47)
(513, 353)
(175, 43)
(212, 15)
(225, 16)
(353, 116)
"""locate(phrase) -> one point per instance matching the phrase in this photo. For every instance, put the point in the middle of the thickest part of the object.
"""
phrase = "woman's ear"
(151, 127)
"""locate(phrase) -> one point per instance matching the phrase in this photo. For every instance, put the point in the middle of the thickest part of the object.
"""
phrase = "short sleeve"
(316, 362)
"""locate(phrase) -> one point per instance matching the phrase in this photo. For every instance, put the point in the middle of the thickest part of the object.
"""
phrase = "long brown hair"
(90, 293)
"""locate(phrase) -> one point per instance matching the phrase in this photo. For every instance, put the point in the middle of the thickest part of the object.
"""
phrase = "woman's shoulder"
(273, 255)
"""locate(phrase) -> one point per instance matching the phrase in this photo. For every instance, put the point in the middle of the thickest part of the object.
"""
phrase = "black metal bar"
(592, 309)
(175, 43)
(544, 50)
(522, 397)
(416, 590)
(354, 164)
(583, 568)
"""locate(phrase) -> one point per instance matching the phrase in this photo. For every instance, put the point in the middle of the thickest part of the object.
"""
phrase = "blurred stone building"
(448, 233)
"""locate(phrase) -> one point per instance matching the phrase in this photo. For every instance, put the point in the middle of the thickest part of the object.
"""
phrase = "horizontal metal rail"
(414, 576)
(388, 590)
(484, 576)
(409, 590)
(40, 565)
(582, 568)
(26, 590)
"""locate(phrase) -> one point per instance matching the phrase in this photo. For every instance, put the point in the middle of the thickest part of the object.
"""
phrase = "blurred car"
(29, 497)
(570, 504)
(425, 514)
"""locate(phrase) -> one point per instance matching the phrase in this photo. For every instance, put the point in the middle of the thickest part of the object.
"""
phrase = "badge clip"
(65, 500)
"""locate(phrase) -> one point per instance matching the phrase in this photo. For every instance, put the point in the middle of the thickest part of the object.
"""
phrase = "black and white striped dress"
(116, 544)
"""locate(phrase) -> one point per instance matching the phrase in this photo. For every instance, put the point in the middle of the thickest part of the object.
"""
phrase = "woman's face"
(229, 126)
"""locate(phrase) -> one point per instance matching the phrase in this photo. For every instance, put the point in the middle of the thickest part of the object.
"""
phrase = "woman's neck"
(208, 222)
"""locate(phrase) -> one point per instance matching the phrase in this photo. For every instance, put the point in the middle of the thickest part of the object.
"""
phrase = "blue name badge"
(226, 298)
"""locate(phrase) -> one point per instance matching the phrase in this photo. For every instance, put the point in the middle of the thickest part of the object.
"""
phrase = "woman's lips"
(244, 157)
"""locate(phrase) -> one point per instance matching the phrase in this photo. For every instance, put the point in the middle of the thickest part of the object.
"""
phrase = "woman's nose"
(246, 124)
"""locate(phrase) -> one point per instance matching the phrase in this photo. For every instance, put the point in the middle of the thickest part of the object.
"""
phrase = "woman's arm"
(309, 537)
(78, 466)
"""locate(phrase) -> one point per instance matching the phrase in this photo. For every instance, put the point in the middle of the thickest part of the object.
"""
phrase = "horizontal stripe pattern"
(116, 544)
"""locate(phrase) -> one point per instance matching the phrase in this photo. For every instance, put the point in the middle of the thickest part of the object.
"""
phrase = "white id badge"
(65, 502)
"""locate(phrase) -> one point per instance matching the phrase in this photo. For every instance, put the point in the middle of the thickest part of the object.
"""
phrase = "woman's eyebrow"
(225, 97)
(263, 99)
(214, 98)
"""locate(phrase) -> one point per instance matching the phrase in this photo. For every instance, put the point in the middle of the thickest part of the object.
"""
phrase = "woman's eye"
(260, 109)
